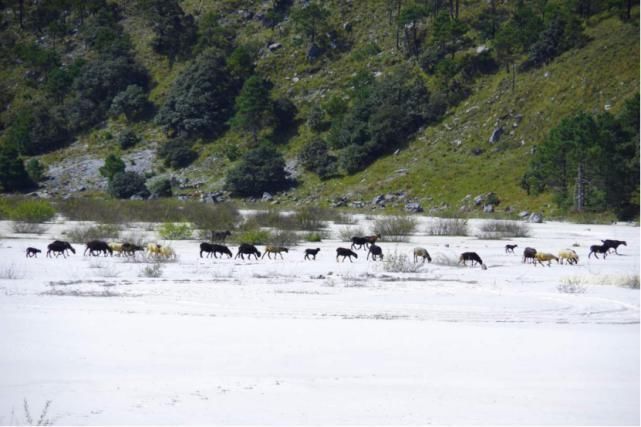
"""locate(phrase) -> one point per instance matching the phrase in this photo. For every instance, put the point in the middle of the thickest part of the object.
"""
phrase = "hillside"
(441, 163)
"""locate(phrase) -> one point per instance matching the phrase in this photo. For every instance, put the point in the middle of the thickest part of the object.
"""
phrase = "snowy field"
(224, 341)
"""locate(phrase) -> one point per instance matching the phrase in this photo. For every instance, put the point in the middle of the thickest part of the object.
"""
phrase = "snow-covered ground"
(224, 341)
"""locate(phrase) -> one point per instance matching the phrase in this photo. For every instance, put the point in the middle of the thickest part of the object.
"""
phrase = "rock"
(379, 200)
(524, 214)
(274, 46)
(313, 53)
(413, 207)
(479, 199)
(267, 197)
(496, 135)
(477, 151)
(358, 204)
(347, 26)
(488, 208)
(536, 218)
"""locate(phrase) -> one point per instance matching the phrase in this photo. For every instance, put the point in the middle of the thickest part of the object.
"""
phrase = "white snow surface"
(225, 341)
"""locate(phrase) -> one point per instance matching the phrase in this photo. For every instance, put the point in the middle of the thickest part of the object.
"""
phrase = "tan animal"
(540, 257)
(422, 253)
(569, 255)
(276, 250)
(116, 248)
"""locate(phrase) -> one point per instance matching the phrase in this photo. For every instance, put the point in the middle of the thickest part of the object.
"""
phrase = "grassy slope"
(438, 171)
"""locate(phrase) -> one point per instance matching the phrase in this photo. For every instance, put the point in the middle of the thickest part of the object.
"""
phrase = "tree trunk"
(451, 9)
(456, 9)
(513, 77)
(398, 23)
(628, 15)
(580, 188)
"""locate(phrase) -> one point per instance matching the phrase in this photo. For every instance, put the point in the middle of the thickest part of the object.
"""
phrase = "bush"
(97, 232)
(261, 169)
(201, 100)
(502, 229)
(132, 102)
(13, 176)
(159, 186)
(177, 153)
(448, 227)
(309, 218)
(400, 263)
(128, 139)
(255, 237)
(35, 170)
(345, 234)
(175, 231)
(153, 271)
(315, 157)
(124, 185)
(32, 211)
(314, 236)
(395, 229)
(315, 119)
(113, 165)
(283, 238)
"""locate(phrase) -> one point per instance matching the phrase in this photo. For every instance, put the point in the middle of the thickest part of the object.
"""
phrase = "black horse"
(214, 249)
(96, 247)
(247, 249)
(59, 247)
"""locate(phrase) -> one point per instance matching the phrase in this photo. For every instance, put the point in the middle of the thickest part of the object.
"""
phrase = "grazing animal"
(116, 248)
(59, 247)
(167, 252)
(543, 256)
(375, 251)
(345, 253)
(529, 254)
(96, 247)
(599, 249)
(471, 256)
(276, 250)
(509, 249)
(422, 253)
(359, 242)
(214, 249)
(154, 249)
(311, 252)
(130, 249)
(569, 255)
(220, 236)
(613, 244)
(247, 249)
(31, 252)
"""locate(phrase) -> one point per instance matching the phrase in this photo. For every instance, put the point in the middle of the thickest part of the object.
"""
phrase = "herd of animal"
(99, 247)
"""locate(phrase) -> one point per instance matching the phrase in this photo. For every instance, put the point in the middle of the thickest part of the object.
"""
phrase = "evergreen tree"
(261, 169)
(13, 176)
(253, 106)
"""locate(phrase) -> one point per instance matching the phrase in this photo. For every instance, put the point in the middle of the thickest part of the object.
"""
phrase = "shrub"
(315, 157)
(13, 176)
(255, 237)
(97, 232)
(345, 234)
(200, 102)
(502, 229)
(283, 238)
(132, 102)
(128, 139)
(315, 119)
(177, 153)
(124, 185)
(395, 229)
(314, 236)
(261, 169)
(113, 165)
(153, 271)
(309, 218)
(400, 263)
(159, 186)
(571, 285)
(448, 227)
(32, 211)
(28, 227)
(35, 170)
(284, 114)
(175, 231)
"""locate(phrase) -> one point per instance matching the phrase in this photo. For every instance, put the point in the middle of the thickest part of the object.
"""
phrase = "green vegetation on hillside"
(395, 96)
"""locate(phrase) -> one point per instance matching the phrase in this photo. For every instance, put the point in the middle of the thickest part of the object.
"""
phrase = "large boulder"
(413, 207)
(496, 135)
